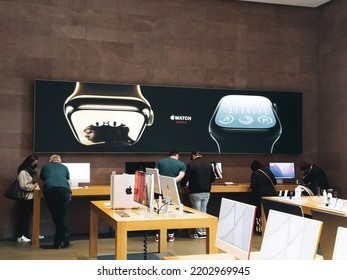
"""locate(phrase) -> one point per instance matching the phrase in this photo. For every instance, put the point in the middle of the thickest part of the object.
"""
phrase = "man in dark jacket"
(198, 178)
(314, 177)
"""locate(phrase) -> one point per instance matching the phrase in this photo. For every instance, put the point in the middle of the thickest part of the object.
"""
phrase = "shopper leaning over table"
(263, 184)
(57, 195)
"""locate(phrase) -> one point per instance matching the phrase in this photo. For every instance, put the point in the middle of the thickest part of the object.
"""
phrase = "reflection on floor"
(79, 250)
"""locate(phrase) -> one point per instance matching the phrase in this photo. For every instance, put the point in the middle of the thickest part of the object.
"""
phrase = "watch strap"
(251, 145)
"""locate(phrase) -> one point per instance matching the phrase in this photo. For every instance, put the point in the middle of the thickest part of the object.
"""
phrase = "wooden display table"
(104, 190)
(245, 188)
(138, 220)
(307, 203)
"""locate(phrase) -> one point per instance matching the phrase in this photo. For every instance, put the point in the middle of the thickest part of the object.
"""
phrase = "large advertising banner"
(83, 117)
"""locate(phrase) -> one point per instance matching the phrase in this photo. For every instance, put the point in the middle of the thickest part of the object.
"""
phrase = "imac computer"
(155, 172)
(169, 189)
(235, 228)
(282, 170)
(79, 173)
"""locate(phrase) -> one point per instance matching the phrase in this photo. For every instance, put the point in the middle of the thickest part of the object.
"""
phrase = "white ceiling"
(303, 3)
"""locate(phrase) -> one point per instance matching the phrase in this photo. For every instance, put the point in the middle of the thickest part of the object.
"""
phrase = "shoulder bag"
(15, 192)
(262, 171)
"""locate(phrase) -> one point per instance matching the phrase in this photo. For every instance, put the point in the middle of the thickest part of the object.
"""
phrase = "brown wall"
(199, 43)
(332, 96)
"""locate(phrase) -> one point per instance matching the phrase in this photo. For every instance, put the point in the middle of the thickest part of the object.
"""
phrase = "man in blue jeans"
(173, 167)
(198, 178)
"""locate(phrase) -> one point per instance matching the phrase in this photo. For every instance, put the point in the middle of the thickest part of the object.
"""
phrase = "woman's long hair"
(27, 165)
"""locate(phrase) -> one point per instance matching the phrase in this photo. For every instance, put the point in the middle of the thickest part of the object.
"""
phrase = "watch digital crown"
(245, 123)
(107, 114)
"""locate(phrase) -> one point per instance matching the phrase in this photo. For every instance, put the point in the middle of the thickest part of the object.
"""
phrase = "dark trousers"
(25, 215)
(57, 200)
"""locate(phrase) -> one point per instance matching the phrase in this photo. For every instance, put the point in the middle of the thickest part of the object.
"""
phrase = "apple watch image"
(107, 114)
(245, 123)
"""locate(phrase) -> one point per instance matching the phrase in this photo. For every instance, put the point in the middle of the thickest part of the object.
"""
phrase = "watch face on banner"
(107, 127)
(245, 123)
(107, 114)
(245, 111)
(84, 117)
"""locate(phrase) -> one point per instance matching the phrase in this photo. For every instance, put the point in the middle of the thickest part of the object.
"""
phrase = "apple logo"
(128, 190)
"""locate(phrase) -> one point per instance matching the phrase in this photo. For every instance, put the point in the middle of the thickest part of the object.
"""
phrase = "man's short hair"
(55, 158)
(196, 153)
(173, 152)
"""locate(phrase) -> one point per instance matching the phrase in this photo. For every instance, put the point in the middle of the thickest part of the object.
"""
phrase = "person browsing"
(198, 179)
(27, 178)
(263, 184)
(314, 177)
(171, 166)
(57, 195)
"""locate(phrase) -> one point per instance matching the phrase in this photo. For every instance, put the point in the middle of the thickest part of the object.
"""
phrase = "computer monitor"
(155, 172)
(283, 170)
(79, 173)
(144, 188)
(169, 189)
(132, 166)
(331, 222)
(217, 170)
(235, 228)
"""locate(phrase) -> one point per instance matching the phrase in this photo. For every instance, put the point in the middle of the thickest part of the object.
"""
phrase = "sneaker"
(23, 239)
(201, 236)
(156, 238)
(171, 237)
(193, 236)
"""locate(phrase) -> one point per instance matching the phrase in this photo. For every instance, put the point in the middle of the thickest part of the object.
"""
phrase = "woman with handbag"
(27, 178)
(263, 184)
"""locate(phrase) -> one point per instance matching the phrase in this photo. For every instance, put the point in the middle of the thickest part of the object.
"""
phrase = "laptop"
(122, 191)
(169, 189)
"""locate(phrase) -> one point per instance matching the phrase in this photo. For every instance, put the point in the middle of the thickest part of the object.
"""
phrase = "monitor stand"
(167, 204)
(74, 184)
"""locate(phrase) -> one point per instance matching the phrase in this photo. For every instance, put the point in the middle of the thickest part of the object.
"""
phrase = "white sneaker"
(197, 235)
(193, 236)
(23, 239)
(41, 237)
(201, 236)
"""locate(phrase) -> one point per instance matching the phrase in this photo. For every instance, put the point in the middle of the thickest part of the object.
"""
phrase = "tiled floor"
(11, 250)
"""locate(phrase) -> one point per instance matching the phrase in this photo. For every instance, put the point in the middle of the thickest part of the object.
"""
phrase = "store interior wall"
(217, 44)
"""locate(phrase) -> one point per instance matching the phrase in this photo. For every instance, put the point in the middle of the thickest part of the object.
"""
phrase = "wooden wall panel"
(217, 44)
